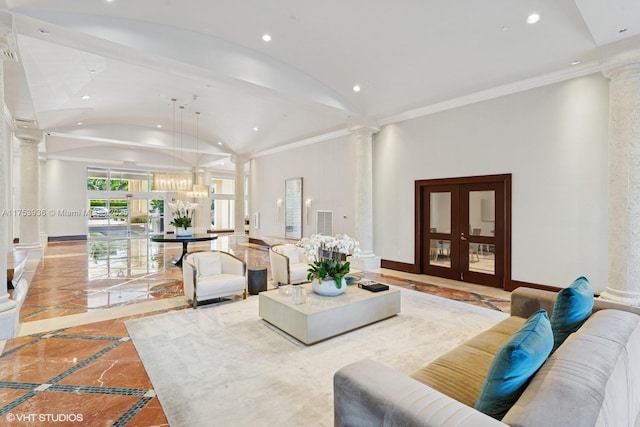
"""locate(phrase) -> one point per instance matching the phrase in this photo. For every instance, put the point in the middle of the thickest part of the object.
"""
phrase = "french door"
(463, 229)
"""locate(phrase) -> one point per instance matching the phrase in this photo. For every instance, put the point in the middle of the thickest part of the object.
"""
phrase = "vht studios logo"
(44, 418)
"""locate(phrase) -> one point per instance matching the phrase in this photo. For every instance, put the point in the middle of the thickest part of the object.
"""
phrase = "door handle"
(462, 237)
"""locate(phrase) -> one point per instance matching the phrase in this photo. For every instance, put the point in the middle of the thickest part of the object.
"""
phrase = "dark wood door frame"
(505, 182)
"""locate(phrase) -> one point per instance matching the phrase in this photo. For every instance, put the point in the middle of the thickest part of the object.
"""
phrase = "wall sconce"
(307, 203)
(279, 206)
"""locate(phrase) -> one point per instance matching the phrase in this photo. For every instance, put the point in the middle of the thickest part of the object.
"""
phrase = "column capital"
(363, 124)
(240, 158)
(29, 136)
(622, 65)
(8, 46)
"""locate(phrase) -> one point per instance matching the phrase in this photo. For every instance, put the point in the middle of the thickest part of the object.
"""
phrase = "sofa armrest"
(367, 393)
(526, 301)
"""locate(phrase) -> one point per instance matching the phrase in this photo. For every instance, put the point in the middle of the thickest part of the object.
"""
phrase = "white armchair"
(213, 274)
(289, 264)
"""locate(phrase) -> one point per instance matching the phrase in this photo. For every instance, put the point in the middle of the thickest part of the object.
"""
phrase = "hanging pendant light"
(163, 181)
(198, 191)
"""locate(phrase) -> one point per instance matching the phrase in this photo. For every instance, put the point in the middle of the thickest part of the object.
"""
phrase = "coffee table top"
(316, 303)
(322, 317)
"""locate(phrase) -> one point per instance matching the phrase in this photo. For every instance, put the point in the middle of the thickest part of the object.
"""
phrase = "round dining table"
(185, 240)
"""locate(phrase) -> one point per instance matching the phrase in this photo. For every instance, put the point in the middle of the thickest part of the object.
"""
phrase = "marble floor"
(73, 362)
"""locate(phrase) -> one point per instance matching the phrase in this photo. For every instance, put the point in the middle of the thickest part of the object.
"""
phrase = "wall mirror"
(293, 208)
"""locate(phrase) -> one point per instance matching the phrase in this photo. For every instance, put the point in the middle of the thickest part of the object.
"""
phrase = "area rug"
(222, 365)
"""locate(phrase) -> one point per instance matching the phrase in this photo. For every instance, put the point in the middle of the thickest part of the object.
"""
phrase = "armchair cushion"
(208, 263)
(292, 254)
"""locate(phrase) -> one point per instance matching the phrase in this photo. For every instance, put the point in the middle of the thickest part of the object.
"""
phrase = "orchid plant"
(321, 251)
(315, 245)
(183, 213)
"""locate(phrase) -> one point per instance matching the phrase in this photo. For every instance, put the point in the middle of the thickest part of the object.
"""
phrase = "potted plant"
(327, 261)
(183, 217)
(327, 276)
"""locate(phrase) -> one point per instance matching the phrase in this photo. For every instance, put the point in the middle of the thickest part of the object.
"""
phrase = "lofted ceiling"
(132, 57)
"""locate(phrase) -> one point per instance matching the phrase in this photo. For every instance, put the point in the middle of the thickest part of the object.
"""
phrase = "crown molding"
(301, 143)
(496, 92)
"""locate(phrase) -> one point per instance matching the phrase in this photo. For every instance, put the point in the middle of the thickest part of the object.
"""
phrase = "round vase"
(181, 231)
(328, 287)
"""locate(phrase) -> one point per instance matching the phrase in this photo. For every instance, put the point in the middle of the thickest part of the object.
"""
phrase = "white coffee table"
(324, 317)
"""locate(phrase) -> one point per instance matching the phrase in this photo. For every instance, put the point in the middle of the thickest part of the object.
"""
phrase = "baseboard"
(516, 284)
(66, 238)
(400, 266)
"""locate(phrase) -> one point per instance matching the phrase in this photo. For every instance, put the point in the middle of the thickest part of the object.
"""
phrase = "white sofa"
(213, 274)
(593, 379)
(289, 264)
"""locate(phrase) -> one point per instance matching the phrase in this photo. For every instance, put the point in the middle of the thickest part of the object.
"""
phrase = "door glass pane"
(118, 218)
(138, 216)
(482, 213)
(440, 253)
(482, 258)
(440, 215)
(482, 224)
(156, 216)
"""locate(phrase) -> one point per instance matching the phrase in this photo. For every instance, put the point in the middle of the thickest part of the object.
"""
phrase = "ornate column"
(624, 180)
(238, 213)
(29, 228)
(8, 307)
(362, 131)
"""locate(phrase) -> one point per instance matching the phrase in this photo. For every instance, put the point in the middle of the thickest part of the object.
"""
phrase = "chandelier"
(164, 181)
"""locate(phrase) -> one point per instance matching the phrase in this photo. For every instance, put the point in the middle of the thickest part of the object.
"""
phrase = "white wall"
(65, 187)
(553, 140)
(327, 175)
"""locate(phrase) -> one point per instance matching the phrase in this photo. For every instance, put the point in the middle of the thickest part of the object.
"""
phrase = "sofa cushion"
(572, 307)
(514, 365)
(591, 380)
(461, 372)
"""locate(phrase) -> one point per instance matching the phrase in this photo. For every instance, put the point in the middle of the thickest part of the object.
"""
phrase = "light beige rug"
(222, 365)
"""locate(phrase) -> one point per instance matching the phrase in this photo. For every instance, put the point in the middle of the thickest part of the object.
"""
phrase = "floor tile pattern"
(93, 371)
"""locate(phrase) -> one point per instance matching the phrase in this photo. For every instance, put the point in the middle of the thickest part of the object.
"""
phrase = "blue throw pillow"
(572, 307)
(514, 364)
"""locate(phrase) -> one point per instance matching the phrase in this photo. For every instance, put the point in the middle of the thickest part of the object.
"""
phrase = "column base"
(622, 297)
(9, 316)
(365, 262)
(33, 250)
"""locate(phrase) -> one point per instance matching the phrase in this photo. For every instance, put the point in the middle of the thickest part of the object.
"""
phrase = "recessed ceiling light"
(576, 62)
(505, 28)
(255, 129)
(79, 123)
(158, 126)
(622, 30)
(266, 37)
(43, 31)
(86, 97)
(533, 18)
(356, 88)
(219, 143)
(92, 71)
